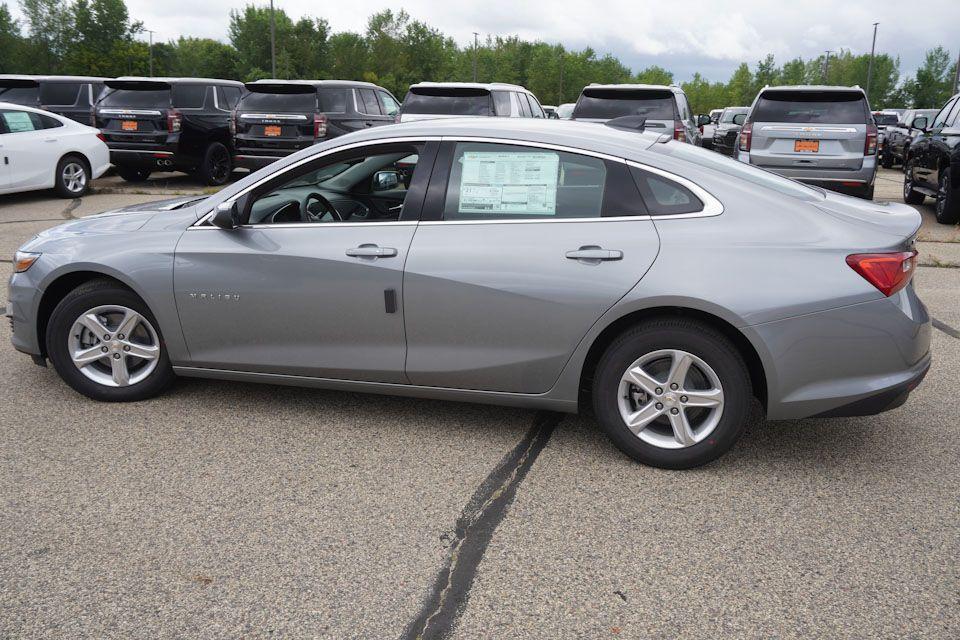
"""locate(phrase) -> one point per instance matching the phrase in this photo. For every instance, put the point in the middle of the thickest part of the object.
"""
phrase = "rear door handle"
(371, 251)
(594, 254)
(49, 139)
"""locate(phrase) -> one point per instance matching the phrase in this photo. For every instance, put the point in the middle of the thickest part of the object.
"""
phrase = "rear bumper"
(159, 158)
(881, 401)
(827, 177)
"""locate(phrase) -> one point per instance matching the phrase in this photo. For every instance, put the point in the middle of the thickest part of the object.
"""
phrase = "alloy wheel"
(74, 177)
(671, 399)
(942, 192)
(220, 169)
(114, 346)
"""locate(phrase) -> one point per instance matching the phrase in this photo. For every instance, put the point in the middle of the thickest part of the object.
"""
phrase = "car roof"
(315, 83)
(35, 78)
(635, 87)
(172, 81)
(490, 86)
(811, 87)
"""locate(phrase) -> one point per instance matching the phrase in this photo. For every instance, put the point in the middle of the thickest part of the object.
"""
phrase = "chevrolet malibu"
(537, 264)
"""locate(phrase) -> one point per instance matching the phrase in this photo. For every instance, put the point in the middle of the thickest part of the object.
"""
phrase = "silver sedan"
(540, 264)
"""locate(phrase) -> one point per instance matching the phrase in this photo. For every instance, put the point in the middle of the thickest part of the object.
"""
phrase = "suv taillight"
(870, 144)
(888, 272)
(233, 123)
(174, 118)
(319, 125)
(746, 136)
(678, 133)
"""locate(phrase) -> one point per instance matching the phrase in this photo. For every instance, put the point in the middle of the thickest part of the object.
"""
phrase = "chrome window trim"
(272, 116)
(132, 112)
(807, 128)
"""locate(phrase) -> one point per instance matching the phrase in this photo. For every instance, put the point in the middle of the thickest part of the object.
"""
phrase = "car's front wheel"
(948, 200)
(672, 393)
(104, 342)
(910, 195)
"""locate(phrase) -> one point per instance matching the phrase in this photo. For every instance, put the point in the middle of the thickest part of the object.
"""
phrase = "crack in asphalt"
(475, 527)
(70, 208)
(947, 329)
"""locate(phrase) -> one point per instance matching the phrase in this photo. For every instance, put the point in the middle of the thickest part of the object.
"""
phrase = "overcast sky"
(711, 37)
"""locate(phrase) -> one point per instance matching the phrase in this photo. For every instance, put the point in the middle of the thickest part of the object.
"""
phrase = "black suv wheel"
(133, 175)
(910, 196)
(217, 165)
(948, 200)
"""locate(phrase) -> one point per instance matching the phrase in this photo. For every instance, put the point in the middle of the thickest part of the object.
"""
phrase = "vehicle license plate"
(271, 130)
(808, 146)
(129, 125)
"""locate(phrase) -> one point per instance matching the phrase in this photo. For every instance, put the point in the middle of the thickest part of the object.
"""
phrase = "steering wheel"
(305, 214)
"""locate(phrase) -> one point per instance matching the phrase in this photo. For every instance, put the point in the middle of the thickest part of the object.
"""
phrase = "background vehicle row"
(933, 162)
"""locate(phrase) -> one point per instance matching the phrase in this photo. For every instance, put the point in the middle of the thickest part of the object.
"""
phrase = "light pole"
(870, 66)
(273, 44)
(475, 51)
(826, 65)
(150, 51)
(956, 77)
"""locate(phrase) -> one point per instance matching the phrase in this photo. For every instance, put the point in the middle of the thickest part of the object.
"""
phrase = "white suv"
(431, 100)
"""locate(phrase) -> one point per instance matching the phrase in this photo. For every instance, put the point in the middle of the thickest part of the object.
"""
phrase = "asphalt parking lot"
(228, 510)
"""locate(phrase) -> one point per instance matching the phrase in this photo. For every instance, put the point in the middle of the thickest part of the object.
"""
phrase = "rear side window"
(814, 107)
(282, 102)
(22, 121)
(189, 96)
(663, 196)
(134, 99)
(367, 101)
(615, 103)
(501, 100)
(448, 101)
(388, 104)
(333, 100)
(228, 97)
(60, 93)
(524, 105)
(20, 95)
(535, 109)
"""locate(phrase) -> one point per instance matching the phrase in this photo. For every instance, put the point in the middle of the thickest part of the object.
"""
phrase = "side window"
(368, 102)
(46, 122)
(20, 121)
(524, 105)
(334, 100)
(501, 100)
(61, 94)
(940, 120)
(388, 104)
(514, 105)
(228, 97)
(494, 182)
(664, 196)
(953, 119)
(338, 189)
(535, 109)
(189, 96)
(683, 107)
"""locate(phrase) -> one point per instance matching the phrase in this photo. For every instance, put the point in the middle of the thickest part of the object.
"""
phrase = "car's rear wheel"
(217, 165)
(104, 342)
(865, 192)
(133, 175)
(910, 195)
(73, 177)
(948, 201)
(886, 159)
(672, 393)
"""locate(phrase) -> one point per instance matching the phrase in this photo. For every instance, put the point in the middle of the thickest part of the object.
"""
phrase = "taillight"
(870, 144)
(102, 137)
(319, 125)
(174, 119)
(746, 136)
(888, 272)
(233, 123)
(678, 133)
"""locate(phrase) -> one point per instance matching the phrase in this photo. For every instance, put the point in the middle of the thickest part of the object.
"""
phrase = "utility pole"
(956, 77)
(870, 66)
(475, 51)
(560, 94)
(273, 43)
(826, 66)
(150, 50)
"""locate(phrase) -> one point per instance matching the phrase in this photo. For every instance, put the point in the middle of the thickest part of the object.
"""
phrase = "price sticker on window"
(509, 182)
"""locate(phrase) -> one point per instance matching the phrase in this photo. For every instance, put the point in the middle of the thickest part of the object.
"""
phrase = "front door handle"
(371, 251)
(593, 254)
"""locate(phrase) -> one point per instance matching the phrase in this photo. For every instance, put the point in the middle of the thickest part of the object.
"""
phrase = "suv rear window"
(886, 119)
(614, 103)
(134, 99)
(448, 101)
(20, 95)
(283, 102)
(831, 107)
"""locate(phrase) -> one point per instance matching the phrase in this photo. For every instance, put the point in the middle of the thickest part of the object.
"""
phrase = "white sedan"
(41, 150)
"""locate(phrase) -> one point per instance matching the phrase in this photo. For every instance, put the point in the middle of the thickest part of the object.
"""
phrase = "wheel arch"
(746, 348)
(73, 152)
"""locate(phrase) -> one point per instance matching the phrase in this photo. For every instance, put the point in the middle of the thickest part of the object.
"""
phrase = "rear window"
(282, 102)
(448, 101)
(59, 93)
(133, 99)
(831, 107)
(884, 119)
(20, 95)
(616, 103)
(730, 114)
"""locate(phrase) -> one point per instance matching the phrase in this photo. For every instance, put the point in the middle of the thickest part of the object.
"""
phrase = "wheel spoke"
(642, 379)
(121, 375)
(682, 432)
(92, 322)
(704, 398)
(145, 351)
(130, 321)
(679, 368)
(639, 420)
(83, 357)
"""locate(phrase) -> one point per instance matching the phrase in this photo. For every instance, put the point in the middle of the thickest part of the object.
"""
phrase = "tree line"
(98, 37)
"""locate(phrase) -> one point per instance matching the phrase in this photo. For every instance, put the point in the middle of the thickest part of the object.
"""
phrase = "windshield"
(133, 99)
(730, 114)
(742, 170)
(20, 95)
(615, 103)
(282, 102)
(828, 107)
(448, 102)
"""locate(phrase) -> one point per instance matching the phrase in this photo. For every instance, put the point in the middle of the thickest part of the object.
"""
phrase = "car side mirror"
(919, 122)
(703, 119)
(227, 215)
(739, 119)
(386, 180)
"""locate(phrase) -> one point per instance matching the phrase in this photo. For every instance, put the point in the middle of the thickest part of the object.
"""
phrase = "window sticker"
(18, 121)
(509, 182)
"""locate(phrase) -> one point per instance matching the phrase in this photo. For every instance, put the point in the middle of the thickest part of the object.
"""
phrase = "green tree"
(740, 89)
(198, 57)
(11, 42)
(933, 84)
(654, 75)
(348, 55)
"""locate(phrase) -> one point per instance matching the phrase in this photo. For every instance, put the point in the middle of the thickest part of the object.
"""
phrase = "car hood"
(898, 220)
(127, 219)
(167, 204)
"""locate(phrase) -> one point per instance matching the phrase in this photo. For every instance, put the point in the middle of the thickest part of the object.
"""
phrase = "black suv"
(169, 124)
(278, 117)
(932, 166)
(68, 96)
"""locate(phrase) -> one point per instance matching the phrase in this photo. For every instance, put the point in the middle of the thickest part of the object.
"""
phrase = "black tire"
(697, 339)
(948, 200)
(131, 174)
(886, 160)
(87, 296)
(910, 195)
(72, 179)
(217, 165)
(865, 192)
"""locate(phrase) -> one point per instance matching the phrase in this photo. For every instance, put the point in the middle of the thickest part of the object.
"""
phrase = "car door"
(298, 290)
(32, 148)
(4, 157)
(520, 250)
